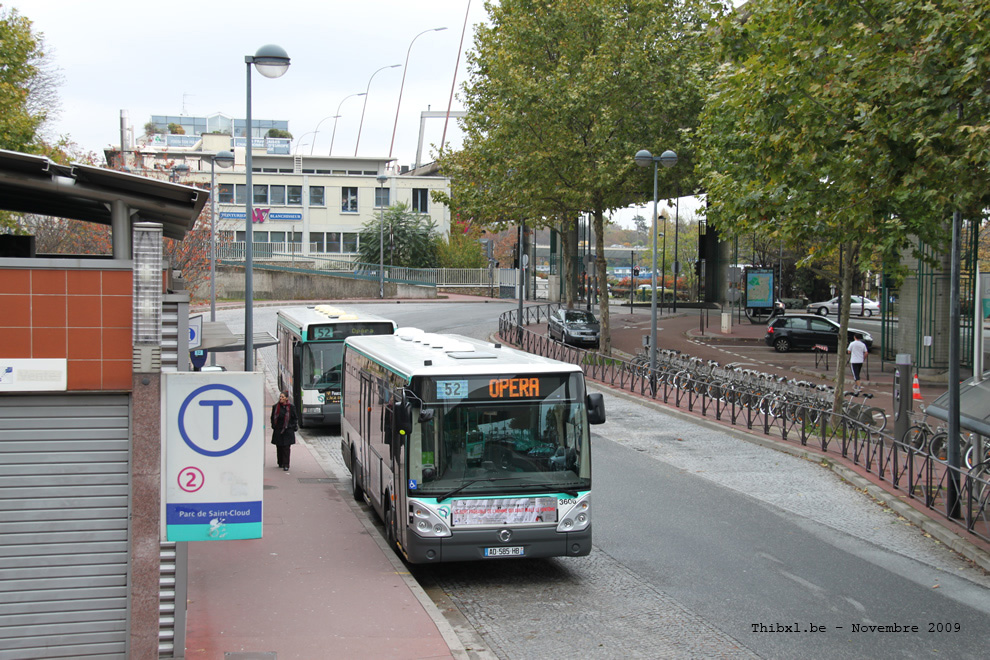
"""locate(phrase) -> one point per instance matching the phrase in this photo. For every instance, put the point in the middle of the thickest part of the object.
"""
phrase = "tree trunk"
(849, 261)
(569, 242)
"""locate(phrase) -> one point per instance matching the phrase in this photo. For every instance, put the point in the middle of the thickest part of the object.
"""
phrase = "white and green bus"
(469, 450)
(310, 349)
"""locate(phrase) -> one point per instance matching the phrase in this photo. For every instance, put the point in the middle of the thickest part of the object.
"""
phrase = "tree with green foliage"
(27, 90)
(852, 124)
(409, 239)
(26, 83)
(278, 133)
(561, 94)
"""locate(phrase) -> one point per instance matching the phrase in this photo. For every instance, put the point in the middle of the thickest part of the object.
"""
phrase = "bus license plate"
(514, 551)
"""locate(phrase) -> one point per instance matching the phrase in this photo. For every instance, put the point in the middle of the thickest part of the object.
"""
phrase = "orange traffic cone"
(917, 389)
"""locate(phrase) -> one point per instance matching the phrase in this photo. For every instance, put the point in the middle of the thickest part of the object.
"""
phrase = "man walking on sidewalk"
(857, 352)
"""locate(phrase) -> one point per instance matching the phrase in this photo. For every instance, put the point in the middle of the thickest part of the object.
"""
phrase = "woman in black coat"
(284, 426)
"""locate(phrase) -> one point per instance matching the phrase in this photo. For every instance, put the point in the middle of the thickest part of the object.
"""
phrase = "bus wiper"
(464, 485)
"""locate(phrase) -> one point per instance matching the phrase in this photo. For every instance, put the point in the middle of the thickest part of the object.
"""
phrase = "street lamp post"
(677, 263)
(382, 180)
(223, 159)
(300, 144)
(271, 61)
(643, 158)
(363, 107)
(405, 69)
(317, 131)
(336, 117)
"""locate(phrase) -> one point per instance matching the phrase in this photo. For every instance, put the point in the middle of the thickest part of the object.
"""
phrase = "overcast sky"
(187, 58)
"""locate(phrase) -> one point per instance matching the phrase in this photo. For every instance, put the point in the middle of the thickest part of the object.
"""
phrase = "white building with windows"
(305, 205)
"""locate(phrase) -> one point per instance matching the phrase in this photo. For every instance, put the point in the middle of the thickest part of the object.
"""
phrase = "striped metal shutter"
(64, 540)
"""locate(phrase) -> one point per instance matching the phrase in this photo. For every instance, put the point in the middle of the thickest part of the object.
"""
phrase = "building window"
(259, 236)
(277, 237)
(240, 193)
(316, 196)
(260, 194)
(381, 197)
(316, 241)
(225, 193)
(295, 195)
(348, 200)
(420, 200)
(333, 241)
(276, 195)
(350, 242)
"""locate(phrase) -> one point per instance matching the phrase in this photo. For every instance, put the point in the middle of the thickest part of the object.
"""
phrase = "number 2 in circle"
(191, 479)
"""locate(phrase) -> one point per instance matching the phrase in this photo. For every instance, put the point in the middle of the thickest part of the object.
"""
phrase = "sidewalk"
(318, 585)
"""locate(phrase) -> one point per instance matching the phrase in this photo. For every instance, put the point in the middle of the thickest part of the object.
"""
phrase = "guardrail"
(906, 469)
(290, 255)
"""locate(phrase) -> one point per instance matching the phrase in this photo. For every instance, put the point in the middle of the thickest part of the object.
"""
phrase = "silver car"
(574, 326)
(859, 306)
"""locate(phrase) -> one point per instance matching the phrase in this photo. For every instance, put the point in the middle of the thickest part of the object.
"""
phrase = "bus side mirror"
(596, 408)
(403, 416)
(425, 415)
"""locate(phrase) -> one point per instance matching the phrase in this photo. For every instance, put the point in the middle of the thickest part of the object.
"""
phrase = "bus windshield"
(321, 365)
(491, 434)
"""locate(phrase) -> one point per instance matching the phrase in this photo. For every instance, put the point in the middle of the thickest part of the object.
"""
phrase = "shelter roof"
(36, 184)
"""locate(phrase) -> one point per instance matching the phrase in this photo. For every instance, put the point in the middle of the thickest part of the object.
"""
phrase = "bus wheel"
(355, 484)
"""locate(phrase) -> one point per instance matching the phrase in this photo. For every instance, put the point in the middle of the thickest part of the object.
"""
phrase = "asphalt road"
(699, 536)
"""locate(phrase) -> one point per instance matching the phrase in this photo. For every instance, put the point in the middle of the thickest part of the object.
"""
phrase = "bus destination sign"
(497, 388)
(341, 331)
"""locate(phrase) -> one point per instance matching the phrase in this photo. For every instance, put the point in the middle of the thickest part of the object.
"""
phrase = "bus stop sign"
(214, 456)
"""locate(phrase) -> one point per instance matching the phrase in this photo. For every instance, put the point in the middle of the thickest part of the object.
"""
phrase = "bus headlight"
(578, 517)
(425, 522)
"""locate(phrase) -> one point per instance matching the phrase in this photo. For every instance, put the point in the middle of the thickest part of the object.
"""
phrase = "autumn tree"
(561, 94)
(851, 124)
(462, 248)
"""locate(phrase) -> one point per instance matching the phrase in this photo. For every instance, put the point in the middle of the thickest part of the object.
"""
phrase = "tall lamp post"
(405, 69)
(643, 158)
(677, 263)
(336, 117)
(271, 61)
(316, 132)
(382, 180)
(363, 107)
(223, 159)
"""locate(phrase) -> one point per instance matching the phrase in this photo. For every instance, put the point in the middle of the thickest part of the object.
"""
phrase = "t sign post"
(214, 456)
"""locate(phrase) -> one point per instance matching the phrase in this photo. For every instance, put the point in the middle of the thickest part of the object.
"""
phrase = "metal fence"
(959, 495)
(290, 255)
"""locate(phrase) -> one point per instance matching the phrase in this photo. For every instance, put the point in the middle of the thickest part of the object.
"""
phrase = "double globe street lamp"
(668, 159)
(271, 61)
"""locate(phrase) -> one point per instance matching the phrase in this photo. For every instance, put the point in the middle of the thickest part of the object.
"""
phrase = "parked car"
(805, 331)
(858, 305)
(574, 326)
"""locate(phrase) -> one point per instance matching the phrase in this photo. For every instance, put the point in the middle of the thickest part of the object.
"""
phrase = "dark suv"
(805, 331)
